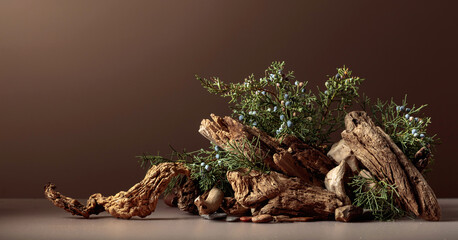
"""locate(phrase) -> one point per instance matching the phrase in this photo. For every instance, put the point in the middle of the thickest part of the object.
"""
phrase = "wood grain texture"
(289, 155)
(380, 155)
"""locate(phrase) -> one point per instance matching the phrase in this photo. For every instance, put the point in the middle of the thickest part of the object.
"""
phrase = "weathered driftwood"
(380, 155)
(186, 195)
(140, 200)
(337, 180)
(210, 203)
(234, 208)
(422, 159)
(276, 194)
(341, 152)
(286, 218)
(348, 213)
(289, 156)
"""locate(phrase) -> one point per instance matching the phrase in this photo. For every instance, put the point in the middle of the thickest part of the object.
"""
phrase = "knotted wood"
(288, 155)
(140, 200)
(276, 194)
(380, 155)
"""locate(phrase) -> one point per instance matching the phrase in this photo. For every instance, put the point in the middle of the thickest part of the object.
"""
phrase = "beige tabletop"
(39, 219)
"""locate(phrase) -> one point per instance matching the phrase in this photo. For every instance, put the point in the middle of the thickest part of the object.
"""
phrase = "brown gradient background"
(87, 85)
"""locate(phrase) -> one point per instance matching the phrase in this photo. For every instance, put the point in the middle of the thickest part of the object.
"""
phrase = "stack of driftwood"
(304, 184)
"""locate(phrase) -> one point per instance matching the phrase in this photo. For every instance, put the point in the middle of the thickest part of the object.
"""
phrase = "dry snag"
(290, 156)
(380, 155)
(277, 194)
(140, 200)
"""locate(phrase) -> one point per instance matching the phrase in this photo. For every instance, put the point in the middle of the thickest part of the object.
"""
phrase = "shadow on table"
(132, 219)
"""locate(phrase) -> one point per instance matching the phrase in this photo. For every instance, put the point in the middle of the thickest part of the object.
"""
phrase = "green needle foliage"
(209, 167)
(377, 196)
(278, 104)
(405, 124)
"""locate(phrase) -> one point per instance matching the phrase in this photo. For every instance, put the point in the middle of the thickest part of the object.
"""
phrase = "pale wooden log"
(380, 155)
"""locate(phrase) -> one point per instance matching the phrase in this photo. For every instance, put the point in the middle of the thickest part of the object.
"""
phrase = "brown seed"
(263, 218)
(246, 219)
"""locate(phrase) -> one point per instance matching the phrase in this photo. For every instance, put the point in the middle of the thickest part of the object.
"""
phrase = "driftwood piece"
(380, 155)
(348, 213)
(337, 180)
(140, 200)
(422, 159)
(290, 156)
(277, 194)
(234, 208)
(286, 218)
(186, 194)
(210, 203)
(341, 152)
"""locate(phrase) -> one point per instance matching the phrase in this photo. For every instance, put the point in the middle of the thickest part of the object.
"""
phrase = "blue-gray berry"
(263, 92)
(408, 109)
(415, 135)
(338, 76)
(208, 167)
(217, 148)
(287, 103)
(422, 135)
(254, 124)
(414, 131)
(275, 108)
(416, 119)
(217, 156)
(402, 108)
(289, 123)
(241, 117)
(202, 164)
(398, 108)
(296, 83)
(407, 116)
(326, 92)
(286, 96)
(282, 117)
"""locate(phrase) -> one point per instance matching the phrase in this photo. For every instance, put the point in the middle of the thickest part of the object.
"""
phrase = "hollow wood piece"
(380, 155)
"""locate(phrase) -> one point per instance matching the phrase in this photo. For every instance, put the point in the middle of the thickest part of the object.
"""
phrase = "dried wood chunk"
(348, 213)
(290, 156)
(209, 204)
(341, 152)
(277, 194)
(186, 195)
(234, 208)
(337, 179)
(380, 155)
(140, 200)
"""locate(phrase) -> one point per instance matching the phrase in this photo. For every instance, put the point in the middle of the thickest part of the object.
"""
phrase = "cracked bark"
(140, 200)
(277, 194)
(291, 156)
(380, 155)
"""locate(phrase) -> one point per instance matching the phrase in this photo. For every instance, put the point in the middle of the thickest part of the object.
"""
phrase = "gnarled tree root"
(140, 200)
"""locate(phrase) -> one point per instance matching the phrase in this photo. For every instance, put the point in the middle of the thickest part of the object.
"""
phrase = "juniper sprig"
(376, 196)
(404, 123)
(279, 104)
